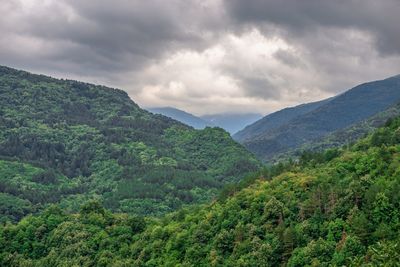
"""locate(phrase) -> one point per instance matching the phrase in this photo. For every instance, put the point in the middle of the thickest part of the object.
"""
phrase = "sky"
(207, 56)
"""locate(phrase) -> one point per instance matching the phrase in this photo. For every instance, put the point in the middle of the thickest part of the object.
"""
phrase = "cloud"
(239, 73)
(207, 56)
(335, 44)
(97, 36)
(380, 18)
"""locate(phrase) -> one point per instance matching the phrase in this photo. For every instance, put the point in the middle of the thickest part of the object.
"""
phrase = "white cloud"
(219, 78)
(251, 72)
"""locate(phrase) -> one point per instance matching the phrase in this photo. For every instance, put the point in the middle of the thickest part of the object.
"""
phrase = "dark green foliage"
(345, 136)
(276, 120)
(68, 142)
(47, 177)
(338, 208)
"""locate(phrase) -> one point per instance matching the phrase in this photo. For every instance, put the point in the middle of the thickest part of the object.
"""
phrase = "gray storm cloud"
(380, 18)
(100, 34)
(207, 56)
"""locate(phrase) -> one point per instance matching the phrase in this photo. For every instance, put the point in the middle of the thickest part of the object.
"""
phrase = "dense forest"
(67, 142)
(334, 208)
(199, 133)
(346, 136)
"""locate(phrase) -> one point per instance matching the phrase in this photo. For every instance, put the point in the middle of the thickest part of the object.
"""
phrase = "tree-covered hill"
(289, 129)
(66, 142)
(337, 208)
(276, 120)
(344, 136)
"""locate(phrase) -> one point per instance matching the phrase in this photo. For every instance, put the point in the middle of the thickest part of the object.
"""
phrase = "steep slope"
(181, 116)
(344, 136)
(347, 109)
(275, 120)
(340, 210)
(66, 142)
(353, 133)
(232, 122)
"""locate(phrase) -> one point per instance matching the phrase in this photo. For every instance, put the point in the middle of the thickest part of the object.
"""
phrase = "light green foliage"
(24, 187)
(68, 142)
(321, 211)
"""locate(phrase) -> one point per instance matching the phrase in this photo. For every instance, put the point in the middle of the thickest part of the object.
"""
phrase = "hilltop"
(67, 142)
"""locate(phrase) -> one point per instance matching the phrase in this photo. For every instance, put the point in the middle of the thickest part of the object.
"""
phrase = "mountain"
(338, 208)
(342, 137)
(354, 132)
(275, 120)
(229, 122)
(323, 118)
(232, 122)
(181, 116)
(67, 142)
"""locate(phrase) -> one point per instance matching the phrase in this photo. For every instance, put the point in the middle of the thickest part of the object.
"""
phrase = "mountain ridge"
(348, 108)
(275, 119)
(182, 116)
(230, 122)
(65, 142)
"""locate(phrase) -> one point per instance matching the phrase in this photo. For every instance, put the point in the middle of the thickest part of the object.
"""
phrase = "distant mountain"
(275, 120)
(229, 122)
(287, 132)
(181, 116)
(345, 136)
(355, 131)
(232, 122)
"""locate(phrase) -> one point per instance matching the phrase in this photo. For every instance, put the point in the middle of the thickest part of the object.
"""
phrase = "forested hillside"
(276, 120)
(337, 208)
(67, 142)
(345, 136)
(340, 112)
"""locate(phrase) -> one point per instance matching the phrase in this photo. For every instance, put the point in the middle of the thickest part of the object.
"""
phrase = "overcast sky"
(207, 56)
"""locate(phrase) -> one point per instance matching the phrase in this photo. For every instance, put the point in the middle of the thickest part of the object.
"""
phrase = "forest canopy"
(337, 208)
(67, 142)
